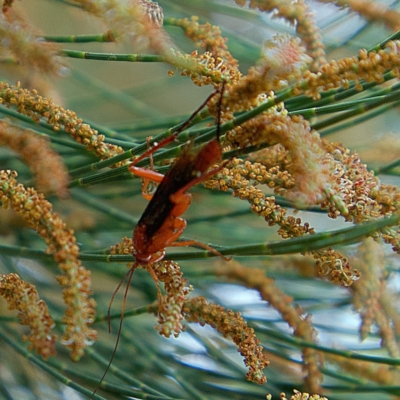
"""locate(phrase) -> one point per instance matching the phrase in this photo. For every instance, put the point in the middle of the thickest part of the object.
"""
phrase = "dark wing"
(160, 206)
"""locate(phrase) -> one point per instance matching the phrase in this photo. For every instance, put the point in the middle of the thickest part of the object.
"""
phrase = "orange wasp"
(160, 225)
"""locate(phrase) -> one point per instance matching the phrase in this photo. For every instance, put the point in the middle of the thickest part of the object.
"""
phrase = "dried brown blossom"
(293, 315)
(50, 173)
(19, 39)
(232, 326)
(38, 214)
(32, 311)
(36, 107)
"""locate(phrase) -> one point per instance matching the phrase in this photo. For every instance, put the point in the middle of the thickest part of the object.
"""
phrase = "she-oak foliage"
(64, 182)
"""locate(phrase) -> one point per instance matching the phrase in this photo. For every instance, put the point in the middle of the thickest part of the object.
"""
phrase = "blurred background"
(134, 100)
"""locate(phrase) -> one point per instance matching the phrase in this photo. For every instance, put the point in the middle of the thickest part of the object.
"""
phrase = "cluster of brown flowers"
(283, 60)
(299, 396)
(174, 306)
(298, 164)
(32, 311)
(364, 196)
(172, 302)
(234, 327)
(33, 105)
(176, 290)
(307, 179)
(212, 66)
(293, 315)
(38, 214)
(242, 177)
(368, 66)
(35, 150)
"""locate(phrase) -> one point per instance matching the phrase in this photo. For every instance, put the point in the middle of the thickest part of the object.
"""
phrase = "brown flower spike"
(32, 311)
(232, 326)
(38, 214)
(50, 173)
(33, 105)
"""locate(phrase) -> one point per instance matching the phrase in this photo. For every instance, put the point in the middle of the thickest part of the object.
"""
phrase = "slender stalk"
(87, 55)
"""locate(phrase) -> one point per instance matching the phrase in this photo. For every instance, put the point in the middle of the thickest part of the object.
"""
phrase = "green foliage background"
(130, 101)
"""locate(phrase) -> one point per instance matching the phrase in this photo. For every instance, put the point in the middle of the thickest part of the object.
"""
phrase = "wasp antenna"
(128, 275)
(219, 110)
(190, 119)
(114, 294)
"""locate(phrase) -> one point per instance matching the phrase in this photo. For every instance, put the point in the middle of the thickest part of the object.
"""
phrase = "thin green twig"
(87, 55)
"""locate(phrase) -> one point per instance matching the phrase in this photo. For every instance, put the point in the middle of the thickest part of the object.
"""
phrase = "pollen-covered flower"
(61, 243)
(232, 326)
(32, 311)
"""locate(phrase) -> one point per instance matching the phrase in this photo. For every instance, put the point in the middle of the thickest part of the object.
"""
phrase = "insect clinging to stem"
(160, 224)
